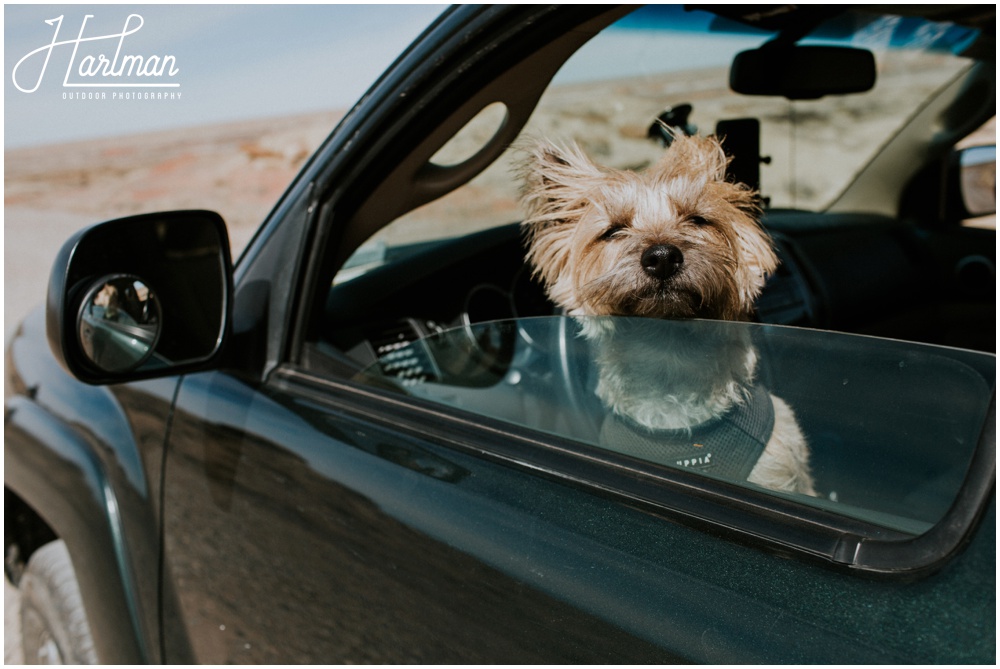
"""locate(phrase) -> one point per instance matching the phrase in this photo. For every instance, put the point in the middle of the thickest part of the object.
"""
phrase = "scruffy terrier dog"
(675, 241)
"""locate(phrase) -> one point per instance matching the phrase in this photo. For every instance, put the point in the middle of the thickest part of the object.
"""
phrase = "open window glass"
(891, 428)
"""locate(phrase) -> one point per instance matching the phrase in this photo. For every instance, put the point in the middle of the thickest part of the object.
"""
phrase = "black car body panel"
(255, 513)
(413, 518)
(70, 449)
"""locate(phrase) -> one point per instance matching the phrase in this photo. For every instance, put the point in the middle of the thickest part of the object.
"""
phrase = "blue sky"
(232, 62)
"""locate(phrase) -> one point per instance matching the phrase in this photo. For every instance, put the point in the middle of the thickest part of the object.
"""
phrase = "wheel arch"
(51, 471)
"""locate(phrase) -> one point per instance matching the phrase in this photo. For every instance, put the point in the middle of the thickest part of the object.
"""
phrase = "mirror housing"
(802, 72)
(153, 291)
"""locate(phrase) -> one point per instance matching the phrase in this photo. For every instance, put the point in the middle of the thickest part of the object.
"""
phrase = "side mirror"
(141, 297)
(802, 72)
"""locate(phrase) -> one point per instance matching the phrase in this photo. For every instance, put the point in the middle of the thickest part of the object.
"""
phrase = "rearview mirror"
(141, 296)
(802, 72)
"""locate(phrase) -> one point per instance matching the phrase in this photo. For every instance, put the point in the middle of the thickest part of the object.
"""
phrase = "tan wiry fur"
(596, 236)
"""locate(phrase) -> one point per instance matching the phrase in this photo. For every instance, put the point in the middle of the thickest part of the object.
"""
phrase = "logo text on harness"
(700, 461)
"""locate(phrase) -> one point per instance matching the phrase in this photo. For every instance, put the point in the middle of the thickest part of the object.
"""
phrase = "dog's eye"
(611, 232)
(699, 221)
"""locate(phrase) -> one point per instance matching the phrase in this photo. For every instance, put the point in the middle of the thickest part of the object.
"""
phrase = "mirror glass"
(120, 322)
(979, 179)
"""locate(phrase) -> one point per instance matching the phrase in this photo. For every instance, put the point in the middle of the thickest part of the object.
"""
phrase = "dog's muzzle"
(662, 261)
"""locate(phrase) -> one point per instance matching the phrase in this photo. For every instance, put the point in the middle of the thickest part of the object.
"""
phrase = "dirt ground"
(50, 192)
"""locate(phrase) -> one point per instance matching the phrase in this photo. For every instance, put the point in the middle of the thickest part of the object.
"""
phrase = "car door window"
(891, 427)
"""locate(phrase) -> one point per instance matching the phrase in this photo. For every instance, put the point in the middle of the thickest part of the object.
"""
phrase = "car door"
(314, 519)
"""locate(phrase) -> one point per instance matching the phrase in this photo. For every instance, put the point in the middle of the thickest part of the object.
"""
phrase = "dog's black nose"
(662, 261)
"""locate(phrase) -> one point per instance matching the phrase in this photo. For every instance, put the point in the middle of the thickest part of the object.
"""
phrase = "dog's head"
(673, 241)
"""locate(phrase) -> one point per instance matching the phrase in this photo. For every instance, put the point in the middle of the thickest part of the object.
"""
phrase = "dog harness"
(728, 446)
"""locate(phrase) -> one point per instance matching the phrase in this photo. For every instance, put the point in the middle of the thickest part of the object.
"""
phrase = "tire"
(54, 628)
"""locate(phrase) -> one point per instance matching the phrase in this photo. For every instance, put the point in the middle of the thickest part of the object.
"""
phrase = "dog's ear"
(555, 182)
(757, 261)
(693, 157)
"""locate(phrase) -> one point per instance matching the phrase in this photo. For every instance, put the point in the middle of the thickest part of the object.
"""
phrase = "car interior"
(889, 252)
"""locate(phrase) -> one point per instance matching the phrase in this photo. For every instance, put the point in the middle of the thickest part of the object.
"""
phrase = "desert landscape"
(237, 169)
(240, 169)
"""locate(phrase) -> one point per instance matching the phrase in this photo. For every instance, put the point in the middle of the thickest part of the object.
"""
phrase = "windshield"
(888, 427)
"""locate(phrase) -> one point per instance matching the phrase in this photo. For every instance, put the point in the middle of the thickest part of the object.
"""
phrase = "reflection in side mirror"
(120, 323)
(802, 72)
(978, 179)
